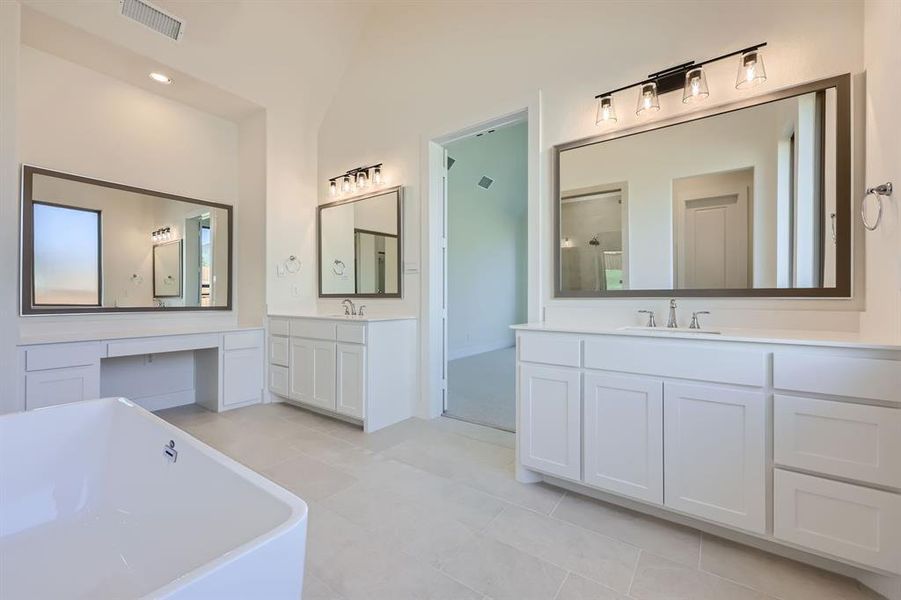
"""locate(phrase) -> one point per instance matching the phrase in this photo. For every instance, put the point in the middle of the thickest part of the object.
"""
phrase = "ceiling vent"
(485, 182)
(155, 18)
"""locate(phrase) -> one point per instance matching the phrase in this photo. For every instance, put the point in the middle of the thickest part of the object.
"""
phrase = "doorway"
(486, 271)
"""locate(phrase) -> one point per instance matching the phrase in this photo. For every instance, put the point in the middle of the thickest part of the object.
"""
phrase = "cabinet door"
(550, 420)
(313, 372)
(61, 386)
(714, 448)
(351, 380)
(301, 370)
(278, 380)
(623, 433)
(242, 377)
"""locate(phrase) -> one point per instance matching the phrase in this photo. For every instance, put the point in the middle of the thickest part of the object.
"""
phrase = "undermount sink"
(671, 330)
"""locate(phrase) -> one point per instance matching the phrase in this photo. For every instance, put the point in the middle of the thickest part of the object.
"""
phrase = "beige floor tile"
(502, 572)
(259, 420)
(259, 452)
(318, 444)
(681, 544)
(187, 415)
(774, 575)
(502, 483)
(328, 533)
(216, 432)
(450, 455)
(476, 432)
(309, 478)
(660, 579)
(573, 548)
(372, 571)
(577, 587)
(316, 589)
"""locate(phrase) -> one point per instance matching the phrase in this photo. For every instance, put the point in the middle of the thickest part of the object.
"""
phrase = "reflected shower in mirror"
(359, 246)
(96, 246)
(752, 200)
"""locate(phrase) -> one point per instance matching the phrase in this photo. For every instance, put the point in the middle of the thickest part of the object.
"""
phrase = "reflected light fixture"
(695, 86)
(362, 180)
(345, 185)
(751, 71)
(332, 187)
(648, 101)
(606, 111)
(377, 175)
(161, 78)
(356, 179)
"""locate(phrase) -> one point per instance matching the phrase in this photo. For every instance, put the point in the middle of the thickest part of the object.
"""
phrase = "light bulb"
(161, 78)
(751, 71)
(362, 180)
(333, 187)
(377, 175)
(345, 185)
(647, 99)
(606, 112)
(695, 88)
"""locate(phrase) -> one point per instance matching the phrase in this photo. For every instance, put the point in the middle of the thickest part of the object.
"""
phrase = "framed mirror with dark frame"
(360, 246)
(94, 246)
(750, 199)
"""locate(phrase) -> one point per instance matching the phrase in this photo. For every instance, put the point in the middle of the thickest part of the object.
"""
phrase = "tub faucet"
(671, 322)
(349, 308)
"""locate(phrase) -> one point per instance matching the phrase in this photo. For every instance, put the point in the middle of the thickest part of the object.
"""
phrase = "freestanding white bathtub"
(92, 506)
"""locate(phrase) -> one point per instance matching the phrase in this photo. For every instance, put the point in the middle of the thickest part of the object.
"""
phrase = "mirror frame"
(400, 273)
(26, 264)
(843, 204)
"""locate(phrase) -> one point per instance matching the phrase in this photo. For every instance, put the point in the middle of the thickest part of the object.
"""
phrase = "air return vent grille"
(485, 182)
(148, 15)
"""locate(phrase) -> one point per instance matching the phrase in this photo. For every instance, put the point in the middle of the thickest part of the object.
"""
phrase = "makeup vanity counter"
(217, 368)
(794, 439)
(358, 369)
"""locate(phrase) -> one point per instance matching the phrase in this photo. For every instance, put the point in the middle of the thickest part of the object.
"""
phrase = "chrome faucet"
(652, 321)
(349, 308)
(695, 323)
(671, 321)
(361, 310)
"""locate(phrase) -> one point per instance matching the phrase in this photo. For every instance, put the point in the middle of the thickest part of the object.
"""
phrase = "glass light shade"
(345, 185)
(606, 111)
(695, 88)
(647, 99)
(333, 187)
(751, 71)
(377, 176)
(362, 179)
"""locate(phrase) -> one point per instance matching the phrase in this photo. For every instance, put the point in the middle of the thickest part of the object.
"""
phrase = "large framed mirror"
(360, 246)
(95, 246)
(749, 199)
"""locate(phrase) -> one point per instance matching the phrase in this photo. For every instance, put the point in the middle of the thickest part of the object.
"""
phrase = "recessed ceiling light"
(160, 78)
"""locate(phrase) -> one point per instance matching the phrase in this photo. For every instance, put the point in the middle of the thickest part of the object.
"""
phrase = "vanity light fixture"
(606, 110)
(161, 78)
(648, 101)
(695, 86)
(163, 234)
(356, 179)
(690, 77)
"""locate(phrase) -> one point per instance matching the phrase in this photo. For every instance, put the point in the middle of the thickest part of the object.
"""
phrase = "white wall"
(487, 240)
(480, 68)
(76, 120)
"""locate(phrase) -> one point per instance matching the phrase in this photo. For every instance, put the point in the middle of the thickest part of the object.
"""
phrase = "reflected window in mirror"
(158, 251)
(360, 246)
(748, 200)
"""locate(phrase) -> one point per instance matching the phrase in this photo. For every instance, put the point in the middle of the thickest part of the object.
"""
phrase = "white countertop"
(56, 338)
(760, 336)
(332, 317)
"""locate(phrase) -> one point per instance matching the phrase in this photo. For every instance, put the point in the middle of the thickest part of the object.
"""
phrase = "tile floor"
(480, 388)
(430, 510)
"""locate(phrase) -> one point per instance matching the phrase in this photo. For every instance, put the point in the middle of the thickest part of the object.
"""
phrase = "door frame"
(433, 284)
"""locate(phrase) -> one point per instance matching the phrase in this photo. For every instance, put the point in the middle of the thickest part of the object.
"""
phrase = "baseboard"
(163, 401)
(473, 349)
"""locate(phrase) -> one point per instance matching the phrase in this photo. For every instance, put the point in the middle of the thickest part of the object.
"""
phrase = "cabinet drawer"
(278, 351)
(278, 380)
(844, 520)
(278, 326)
(312, 328)
(353, 333)
(673, 359)
(837, 438)
(870, 378)
(550, 349)
(242, 339)
(57, 356)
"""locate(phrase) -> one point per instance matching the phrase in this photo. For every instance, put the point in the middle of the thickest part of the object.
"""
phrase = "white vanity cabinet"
(360, 370)
(790, 444)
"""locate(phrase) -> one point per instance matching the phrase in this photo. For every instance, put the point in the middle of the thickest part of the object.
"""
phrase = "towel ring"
(879, 191)
(292, 265)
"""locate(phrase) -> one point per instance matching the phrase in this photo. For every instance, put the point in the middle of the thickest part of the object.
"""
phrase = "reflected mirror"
(96, 246)
(751, 199)
(359, 246)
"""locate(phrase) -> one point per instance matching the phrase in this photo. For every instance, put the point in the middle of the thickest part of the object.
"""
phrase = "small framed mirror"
(96, 246)
(360, 246)
(167, 271)
(748, 199)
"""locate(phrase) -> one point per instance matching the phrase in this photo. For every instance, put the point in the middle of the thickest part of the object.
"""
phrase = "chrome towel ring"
(879, 191)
